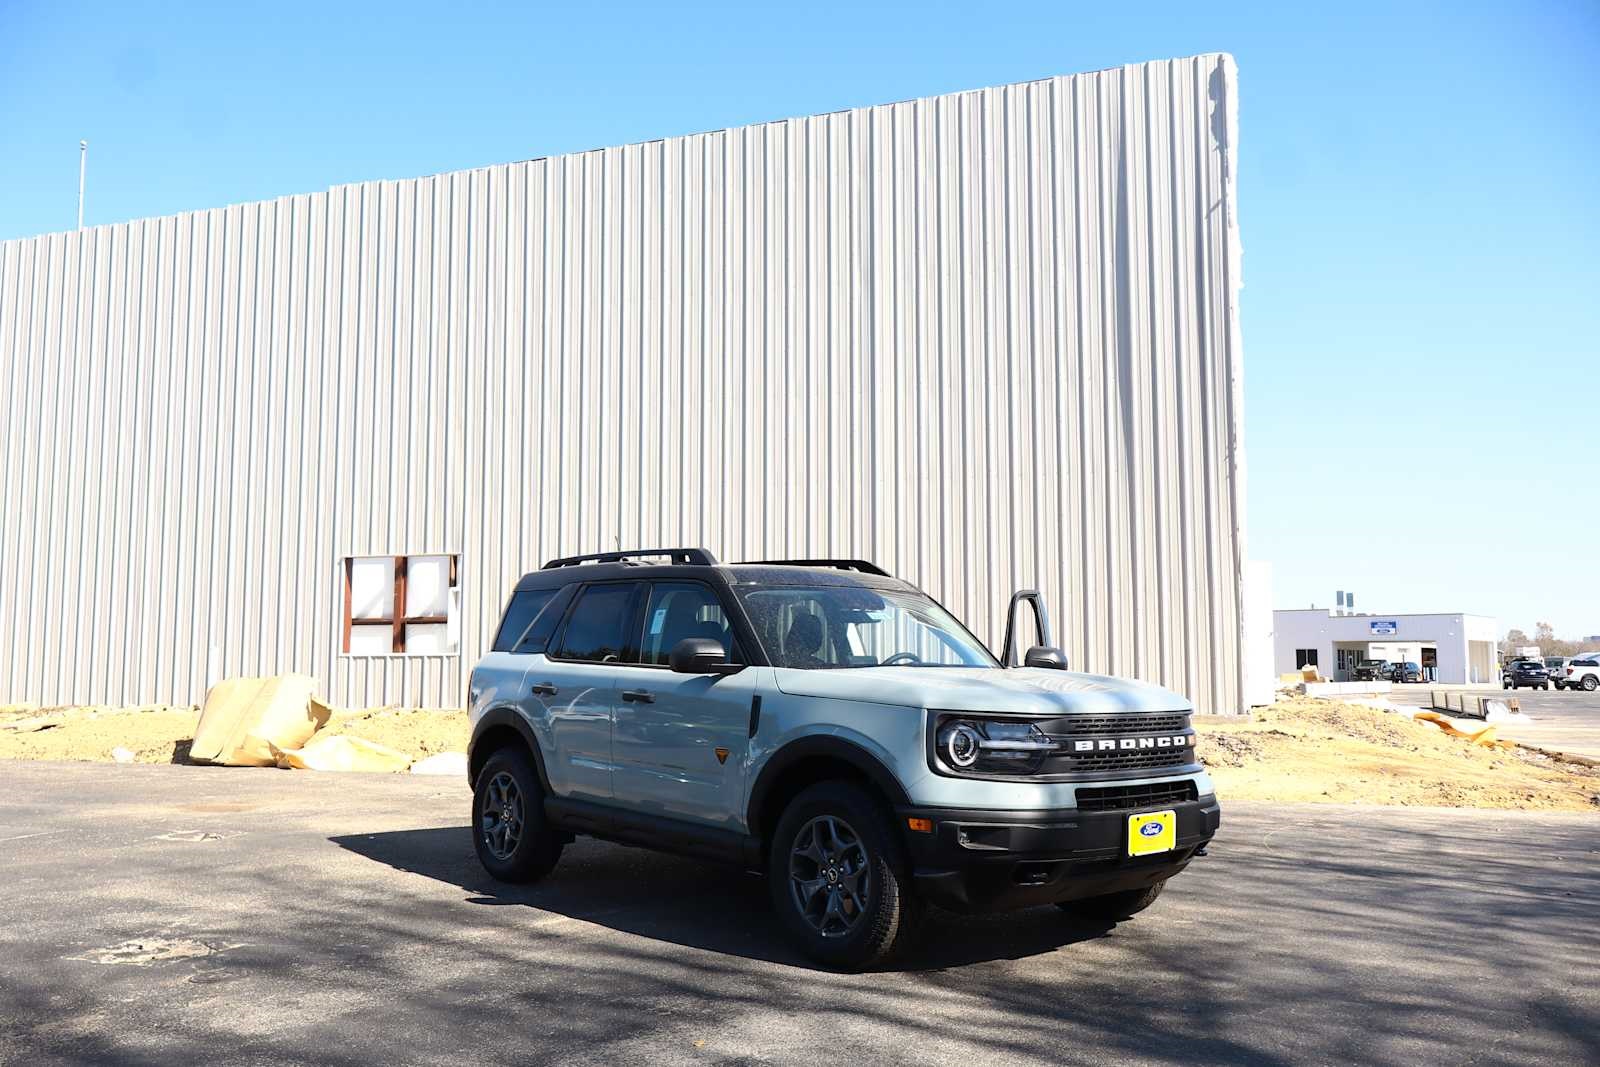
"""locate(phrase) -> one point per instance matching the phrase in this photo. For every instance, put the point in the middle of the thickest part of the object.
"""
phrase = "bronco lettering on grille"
(1112, 744)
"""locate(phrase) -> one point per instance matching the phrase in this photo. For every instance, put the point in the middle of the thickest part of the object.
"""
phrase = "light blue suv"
(832, 727)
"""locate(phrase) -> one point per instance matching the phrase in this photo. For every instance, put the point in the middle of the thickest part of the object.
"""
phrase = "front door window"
(680, 610)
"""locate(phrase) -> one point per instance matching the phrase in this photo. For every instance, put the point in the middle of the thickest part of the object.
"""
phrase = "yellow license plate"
(1153, 832)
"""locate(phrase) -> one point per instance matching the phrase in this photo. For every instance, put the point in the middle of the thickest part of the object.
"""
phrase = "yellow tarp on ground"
(244, 719)
(1484, 735)
(336, 752)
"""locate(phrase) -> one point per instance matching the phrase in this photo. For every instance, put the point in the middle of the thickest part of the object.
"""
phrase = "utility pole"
(83, 166)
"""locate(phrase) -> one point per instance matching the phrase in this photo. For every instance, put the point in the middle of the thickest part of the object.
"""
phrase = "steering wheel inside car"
(901, 657)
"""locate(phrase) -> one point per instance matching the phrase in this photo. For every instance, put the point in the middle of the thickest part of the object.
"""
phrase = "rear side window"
(524, 608)
(597, 628)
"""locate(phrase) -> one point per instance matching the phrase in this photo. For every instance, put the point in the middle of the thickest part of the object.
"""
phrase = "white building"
(1454, 649)
(987, 340)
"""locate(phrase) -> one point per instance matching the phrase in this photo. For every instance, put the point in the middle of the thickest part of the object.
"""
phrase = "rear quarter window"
(524, 608)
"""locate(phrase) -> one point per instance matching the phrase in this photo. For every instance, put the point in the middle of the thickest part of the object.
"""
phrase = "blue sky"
(1419, 204)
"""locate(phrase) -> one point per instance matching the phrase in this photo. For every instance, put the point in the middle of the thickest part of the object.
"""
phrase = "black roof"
(685, 562)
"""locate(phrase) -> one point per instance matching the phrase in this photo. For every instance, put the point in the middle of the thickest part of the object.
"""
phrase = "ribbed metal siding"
(986, 339)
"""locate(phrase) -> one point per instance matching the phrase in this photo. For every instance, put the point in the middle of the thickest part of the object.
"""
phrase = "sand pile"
(1308, 749)
(1303, 749)
(162, 734)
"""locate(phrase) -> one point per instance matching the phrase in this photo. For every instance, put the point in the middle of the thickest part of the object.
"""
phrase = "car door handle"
(638, 696)
(545, 689)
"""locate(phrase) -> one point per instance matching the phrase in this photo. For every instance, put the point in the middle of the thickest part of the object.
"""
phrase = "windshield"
(836, 626)
(1373, 662)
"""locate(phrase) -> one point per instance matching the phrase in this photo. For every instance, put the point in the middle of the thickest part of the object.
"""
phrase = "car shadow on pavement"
(700, 905)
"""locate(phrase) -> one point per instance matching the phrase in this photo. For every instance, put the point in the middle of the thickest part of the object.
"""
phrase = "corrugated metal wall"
(986, 339)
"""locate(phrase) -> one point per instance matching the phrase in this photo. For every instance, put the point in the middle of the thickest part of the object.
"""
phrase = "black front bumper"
(997, 861)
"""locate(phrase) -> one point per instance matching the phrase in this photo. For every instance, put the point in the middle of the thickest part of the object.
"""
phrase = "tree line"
(1544, 635)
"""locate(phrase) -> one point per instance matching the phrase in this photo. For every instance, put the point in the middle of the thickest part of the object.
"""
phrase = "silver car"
(832, 727)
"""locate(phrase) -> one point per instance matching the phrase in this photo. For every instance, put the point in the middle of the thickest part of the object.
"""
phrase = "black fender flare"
(826, 746)
(500, 717)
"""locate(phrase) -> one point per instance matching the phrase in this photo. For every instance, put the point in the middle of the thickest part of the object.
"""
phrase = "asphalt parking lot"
(174, 915)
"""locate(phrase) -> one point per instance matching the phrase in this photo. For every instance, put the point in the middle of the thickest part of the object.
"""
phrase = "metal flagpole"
(83, 164)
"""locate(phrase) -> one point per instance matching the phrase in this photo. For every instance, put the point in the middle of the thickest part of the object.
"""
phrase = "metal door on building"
(1347, 658)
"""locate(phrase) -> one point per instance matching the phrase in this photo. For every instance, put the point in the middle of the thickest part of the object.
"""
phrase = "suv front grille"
(1128, 797)
(1067, 747)
(1163, 723)
(1145, 753)
(1088, 762)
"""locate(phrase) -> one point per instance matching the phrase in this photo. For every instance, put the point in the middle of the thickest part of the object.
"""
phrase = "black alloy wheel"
(513, 840)
(839, 878)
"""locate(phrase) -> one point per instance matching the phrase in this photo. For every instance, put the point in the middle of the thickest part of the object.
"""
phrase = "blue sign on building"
(1384, 627)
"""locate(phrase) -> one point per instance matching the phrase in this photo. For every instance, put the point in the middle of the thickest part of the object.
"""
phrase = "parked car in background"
(1405, 672)
(1583, 672)
(1371, 670)
(1557, 666)
(1525, 674)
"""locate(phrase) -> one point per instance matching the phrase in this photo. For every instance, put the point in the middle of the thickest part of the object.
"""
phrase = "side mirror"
(1041, 623)
(1045, 657)
(701, 655)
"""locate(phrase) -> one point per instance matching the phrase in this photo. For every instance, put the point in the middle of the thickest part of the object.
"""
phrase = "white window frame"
(397, 618)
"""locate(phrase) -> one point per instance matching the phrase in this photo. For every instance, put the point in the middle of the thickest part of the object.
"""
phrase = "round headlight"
(961, 745)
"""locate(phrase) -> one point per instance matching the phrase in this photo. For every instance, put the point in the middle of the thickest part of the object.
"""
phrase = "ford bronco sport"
(832, 727)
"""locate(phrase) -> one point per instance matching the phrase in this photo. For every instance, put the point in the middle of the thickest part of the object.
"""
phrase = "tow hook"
(1201, 851)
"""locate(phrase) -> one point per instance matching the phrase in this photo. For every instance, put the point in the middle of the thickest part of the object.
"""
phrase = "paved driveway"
(342, 919)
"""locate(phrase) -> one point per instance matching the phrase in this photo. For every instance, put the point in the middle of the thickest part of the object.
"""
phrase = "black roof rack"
(861, 565)
(697, 557)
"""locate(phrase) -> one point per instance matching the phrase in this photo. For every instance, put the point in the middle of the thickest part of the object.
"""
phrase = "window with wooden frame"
(401, 605)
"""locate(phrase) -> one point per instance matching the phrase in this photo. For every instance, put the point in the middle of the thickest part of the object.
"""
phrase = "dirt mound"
(155, 734)
(418, 731)
(1302, 749)
(162, 734)
(1308, 749)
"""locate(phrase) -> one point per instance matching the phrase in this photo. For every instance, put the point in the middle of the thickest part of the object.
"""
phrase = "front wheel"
(514, 841)
(1114, 906)
(839, 878)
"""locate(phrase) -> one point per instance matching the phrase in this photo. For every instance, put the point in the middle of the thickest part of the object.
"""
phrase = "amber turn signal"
(921, 826)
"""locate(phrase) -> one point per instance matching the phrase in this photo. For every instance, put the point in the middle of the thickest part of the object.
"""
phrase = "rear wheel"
(839, 878)
(514, 841)
(1114, 906)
